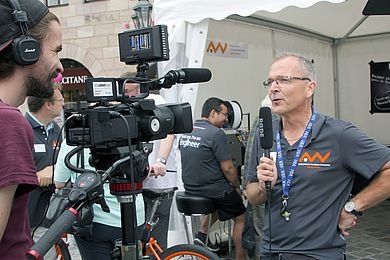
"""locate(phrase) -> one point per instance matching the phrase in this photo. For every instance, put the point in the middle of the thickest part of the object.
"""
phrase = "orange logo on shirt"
(315, 161)
(307, 158)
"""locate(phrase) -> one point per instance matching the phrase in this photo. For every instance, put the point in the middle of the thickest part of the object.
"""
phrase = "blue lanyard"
(286, 180)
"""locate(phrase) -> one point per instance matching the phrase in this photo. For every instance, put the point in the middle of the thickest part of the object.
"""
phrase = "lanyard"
(286, 180)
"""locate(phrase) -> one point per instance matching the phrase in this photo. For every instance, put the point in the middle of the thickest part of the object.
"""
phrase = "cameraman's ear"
(49, 104)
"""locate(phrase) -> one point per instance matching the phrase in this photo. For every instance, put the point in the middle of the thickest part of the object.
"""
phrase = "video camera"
(118, 120)
(115, 128)
(116, 125)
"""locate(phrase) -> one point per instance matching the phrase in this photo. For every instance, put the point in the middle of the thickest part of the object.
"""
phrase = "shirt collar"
(36, 123)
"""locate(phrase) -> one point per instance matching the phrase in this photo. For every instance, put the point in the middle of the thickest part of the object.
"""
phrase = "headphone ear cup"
(26, 50)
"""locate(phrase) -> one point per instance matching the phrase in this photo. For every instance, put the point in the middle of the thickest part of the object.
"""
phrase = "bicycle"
(150, 245)
(88, 189)
(61, 247)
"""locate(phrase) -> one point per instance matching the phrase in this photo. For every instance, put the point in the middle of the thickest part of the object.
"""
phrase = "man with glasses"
(47, 138)
(208, 171)
(313, 172)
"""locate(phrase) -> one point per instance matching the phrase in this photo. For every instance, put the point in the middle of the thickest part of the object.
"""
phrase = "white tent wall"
(354, 85)
(342, 71)
(325, 18)
(241, 79)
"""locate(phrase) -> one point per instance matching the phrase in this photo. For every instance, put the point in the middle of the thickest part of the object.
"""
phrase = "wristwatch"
(350, 208)
(161, 160)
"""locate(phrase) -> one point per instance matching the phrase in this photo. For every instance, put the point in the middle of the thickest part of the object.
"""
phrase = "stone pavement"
(371, 237)
(369, 240)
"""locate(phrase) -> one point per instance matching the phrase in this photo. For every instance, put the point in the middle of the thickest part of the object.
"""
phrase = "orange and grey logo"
(315, 160)
(215, 48)
(227, 49)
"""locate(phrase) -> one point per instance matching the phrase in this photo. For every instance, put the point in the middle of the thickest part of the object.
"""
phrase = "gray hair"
(306, 65)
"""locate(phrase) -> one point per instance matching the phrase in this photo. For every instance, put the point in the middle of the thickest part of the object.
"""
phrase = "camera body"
(115, 125)
(110, 126)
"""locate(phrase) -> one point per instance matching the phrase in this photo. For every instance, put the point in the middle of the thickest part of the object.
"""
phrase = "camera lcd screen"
(148, 44)
(140, 42)
(102, 89)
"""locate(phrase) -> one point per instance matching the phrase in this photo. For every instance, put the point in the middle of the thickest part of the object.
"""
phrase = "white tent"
(337, 23)
(335, 33)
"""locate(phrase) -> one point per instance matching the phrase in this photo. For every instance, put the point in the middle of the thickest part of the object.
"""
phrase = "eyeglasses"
(225, 114)
(282, 80)
(59, 99)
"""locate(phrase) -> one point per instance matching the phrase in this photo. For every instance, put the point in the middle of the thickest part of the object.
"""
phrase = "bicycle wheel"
(188, 251)
(62, 250)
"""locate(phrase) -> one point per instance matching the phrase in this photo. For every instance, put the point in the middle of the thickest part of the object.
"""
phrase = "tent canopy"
(337, 22)
(333, 19)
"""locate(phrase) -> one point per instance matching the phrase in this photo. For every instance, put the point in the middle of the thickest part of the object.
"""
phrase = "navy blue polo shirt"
(334, 153)
(46, 144)
(201, 152)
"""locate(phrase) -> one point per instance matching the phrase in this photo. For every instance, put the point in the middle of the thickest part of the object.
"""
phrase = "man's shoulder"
(8, 110)
(332, 122)
(202, 127)
(11, 114)
(55, 125)
(205, 125)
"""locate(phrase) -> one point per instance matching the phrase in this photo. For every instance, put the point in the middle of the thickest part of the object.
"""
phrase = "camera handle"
(88, 189)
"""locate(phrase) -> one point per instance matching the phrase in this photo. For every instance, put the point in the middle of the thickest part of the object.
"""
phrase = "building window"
(53, 3)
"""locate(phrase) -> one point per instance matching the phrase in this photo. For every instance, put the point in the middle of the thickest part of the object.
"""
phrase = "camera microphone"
(186, 75)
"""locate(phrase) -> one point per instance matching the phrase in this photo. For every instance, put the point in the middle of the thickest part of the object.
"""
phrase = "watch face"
(349, 206)
(161, 160)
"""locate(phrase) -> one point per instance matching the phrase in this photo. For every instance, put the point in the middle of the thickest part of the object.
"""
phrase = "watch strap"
(161, 160)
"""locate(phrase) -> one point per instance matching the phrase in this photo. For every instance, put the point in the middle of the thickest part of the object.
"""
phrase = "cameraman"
(19, 79)
(162, 171)
(106, 226)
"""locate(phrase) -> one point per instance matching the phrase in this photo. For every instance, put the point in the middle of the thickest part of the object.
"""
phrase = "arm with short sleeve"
(222, 154)
(61, 172)
(6, 197)
(366, 157)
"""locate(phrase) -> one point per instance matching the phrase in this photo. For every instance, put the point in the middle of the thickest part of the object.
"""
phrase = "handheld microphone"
(186, 75)
(266, 134)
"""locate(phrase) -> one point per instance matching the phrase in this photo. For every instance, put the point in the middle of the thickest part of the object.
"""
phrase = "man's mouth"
(274, 99)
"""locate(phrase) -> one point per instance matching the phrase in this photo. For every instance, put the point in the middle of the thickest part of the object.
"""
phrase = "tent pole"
(336, 88)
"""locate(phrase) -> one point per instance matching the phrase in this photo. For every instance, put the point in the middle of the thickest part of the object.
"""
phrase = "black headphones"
(25, 48)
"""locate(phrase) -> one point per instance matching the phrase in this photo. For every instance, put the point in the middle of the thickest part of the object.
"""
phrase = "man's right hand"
(266, 171)
(45, 176)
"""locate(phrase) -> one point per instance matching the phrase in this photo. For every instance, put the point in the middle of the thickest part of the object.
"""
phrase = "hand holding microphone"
(266, 173)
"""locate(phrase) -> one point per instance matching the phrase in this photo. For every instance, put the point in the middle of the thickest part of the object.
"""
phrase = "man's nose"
(60, 68)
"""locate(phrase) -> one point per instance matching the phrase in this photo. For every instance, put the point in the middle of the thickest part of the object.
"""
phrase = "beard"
(38, 88)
